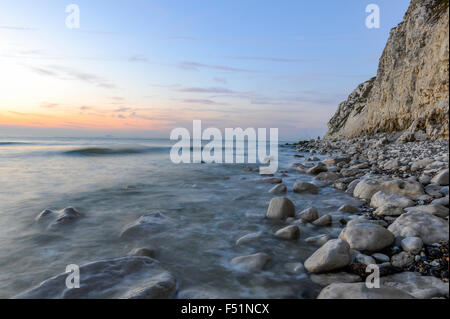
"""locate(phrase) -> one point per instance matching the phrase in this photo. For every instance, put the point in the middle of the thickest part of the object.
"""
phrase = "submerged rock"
(304, 187)
(127, 277)
(252, 263)
(278, 189)
(309, 215)
(330, 278)
(289, 232)
(249, 238)
(152, 222)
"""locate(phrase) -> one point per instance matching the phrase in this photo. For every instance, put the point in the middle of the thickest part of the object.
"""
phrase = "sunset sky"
(140, 68)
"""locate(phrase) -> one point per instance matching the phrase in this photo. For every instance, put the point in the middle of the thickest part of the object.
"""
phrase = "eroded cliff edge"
(410, 90)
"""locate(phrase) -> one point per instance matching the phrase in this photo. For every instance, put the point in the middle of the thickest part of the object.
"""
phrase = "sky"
(141, 68)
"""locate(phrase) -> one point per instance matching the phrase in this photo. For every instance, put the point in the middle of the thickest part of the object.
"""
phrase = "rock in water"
(127, 277)
(309, 215)
(252, 263)
(143, 252)
(278, 189)
(248, 238)
(289, 232)
(280, 208)
(367, 237)
(430, 228)
(325, 220)
(330, 278)
(304, 187)
(350, 209)
(333, 255)
(152, 222)
(360, 291)
(319, 168)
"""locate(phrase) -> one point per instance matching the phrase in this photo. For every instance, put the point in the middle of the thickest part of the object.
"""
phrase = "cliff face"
(410, 90)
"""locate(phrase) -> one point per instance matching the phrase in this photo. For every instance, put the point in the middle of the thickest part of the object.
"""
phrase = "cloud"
(138, 58)
(49, 105)
(202, 101)
(120, 116)
(65, 73)
(123, 109)
(216, 90)
(220, 80)
(13, 28)
(270, 59)
(187, 65)
(85, 108)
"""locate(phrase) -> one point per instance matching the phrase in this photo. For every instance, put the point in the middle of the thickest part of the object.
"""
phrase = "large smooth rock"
(327, 177)
(332, 255)
(304, 187)
(430, 228)
(407, 188)
(127, 277)
(360, 291)
(366, 188)
(309, 215)
(255, 262)
(280, 208)
(325, 220)
(441, 178)
(289, 232)
(380, 199)
(367, 237)
(421, 287)
(153, 222)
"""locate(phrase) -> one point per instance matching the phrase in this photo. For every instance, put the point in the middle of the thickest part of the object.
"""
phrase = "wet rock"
(360, 291)
(430, 228)
(127, 277)
(412, 245)
(421, 287)
(351, 187)
(251, 263)
(434, 190)
(309, 215)
(249, 238)
(199, 293)
(389, 210)
(290, 232)
(350, 209)
(364, 259)
(272, 180)
(444, 201)
(304, 187)
(332, 255)
(278, 189)
(319, 168)
(328, 177)
(367, 237)
(143, 252)
(295, 268)
(280, 208)
(325, 220)
(152, 222)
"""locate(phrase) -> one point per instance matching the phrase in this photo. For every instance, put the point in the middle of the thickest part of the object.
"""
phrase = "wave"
(13, 143)
(111, 151)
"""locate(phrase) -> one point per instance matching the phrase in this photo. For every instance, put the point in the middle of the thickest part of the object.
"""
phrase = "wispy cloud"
(270, 59)
(65, 73)
(123, 109)
(14, 28)
(215, 90)
(188, 65)
(138, 58)
(202, 101)
(49, 105)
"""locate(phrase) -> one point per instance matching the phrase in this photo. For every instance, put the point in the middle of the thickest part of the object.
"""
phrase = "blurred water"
(115, 181)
